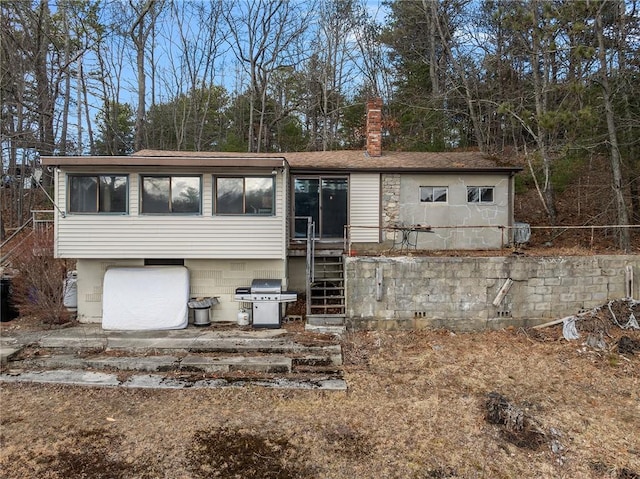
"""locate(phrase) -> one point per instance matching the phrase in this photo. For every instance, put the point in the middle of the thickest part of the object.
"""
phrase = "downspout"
(512, 202)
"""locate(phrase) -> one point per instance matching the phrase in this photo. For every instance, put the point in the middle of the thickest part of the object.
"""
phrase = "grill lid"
(263, 286)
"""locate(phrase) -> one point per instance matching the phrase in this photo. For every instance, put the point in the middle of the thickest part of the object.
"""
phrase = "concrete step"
(211, 358)
(164, 363)
(337, 331)
(326, 319)
(158, 381)
(7, 353)
(262, 341)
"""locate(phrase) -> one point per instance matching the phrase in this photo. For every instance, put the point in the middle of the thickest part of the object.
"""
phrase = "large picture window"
(98, 193)
(433, 194)
(171, 194)
(480, 194)
(251, 195)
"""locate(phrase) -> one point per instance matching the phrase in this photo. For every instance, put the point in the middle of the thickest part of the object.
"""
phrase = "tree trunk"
(540, 87)
(624, 239)
(139, 34)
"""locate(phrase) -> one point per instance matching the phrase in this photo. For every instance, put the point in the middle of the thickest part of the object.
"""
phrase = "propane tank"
(243, 318)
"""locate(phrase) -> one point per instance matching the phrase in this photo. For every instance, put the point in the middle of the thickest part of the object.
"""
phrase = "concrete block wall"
(206, 278)
(459, 292)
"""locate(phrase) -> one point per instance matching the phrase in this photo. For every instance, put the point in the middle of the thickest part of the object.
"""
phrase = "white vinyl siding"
(168, 236)
(364, 207)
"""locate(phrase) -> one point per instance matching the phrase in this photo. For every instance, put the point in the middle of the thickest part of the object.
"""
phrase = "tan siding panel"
(162, 236)
(364, 207)
(96, 236)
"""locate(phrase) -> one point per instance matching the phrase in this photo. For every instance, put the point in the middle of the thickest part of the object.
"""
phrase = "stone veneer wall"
(458, 293)
(390, 203)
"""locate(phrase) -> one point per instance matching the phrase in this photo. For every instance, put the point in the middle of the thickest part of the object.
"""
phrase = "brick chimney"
(374, 127)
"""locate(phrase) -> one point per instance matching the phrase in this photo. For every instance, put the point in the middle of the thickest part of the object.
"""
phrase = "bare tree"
(263, 36)
(145, 15)
(195, 54)
(443, 26)
(330, 69)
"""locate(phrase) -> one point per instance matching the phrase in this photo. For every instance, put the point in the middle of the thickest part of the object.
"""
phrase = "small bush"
(39, 280)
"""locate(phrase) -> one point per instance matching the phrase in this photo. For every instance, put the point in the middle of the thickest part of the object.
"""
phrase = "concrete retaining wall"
(459, 293)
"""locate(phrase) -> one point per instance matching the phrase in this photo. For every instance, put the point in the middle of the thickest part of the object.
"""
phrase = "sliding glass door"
(325, 200)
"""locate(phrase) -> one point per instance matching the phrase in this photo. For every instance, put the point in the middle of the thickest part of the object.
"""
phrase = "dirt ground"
(418, 406)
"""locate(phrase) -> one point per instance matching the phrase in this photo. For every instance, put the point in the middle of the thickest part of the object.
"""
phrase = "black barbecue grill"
(265, 295)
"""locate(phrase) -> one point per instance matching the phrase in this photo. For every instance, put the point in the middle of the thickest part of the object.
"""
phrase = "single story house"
(229, 218)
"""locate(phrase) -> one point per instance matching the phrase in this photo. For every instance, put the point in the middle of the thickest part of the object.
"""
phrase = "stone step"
(189, 363)
(158, 381)
(230, 344)
(210, 358)
(328, 370)
(7, 353)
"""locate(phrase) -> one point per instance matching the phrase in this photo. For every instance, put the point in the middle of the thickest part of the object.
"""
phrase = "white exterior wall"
(364, 207)
(456, 217)
(206, 278)
(169, 236)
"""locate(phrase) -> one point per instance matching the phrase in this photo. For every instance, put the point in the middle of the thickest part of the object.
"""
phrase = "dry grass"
(416, 408)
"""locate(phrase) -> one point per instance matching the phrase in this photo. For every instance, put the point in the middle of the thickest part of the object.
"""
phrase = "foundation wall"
(480, 293)
(206, 278)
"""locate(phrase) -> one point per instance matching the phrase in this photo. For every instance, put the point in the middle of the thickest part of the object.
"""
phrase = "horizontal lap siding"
(170, 236)
(202, 237)
(364, 207)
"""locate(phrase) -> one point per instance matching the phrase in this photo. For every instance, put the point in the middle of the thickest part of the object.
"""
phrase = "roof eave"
(163, 161)
(310, 169)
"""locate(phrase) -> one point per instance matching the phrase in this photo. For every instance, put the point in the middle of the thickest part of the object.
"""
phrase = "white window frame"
(433, 196)
(480, 190)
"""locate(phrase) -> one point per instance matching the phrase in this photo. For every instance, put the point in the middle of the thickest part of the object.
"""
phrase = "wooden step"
(333, 287)
(332, 281)
(329, 261)
(315, 307)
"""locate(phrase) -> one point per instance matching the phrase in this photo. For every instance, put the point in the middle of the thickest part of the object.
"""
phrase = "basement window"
(480, 194)
(171, 194)
(98, 193)
(250, 195)
(433, 194)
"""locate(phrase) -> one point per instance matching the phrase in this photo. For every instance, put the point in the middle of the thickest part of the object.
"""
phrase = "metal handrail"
(36, 224)
(310, 257)
(506, 230)
(16, 232)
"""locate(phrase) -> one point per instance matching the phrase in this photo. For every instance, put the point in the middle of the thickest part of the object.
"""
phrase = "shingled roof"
(342, 160)
(356, 160)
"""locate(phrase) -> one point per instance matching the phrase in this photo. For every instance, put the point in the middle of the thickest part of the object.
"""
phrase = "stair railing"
(310, 257)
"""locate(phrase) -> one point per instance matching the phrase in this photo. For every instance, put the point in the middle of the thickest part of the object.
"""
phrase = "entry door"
(325, 200)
